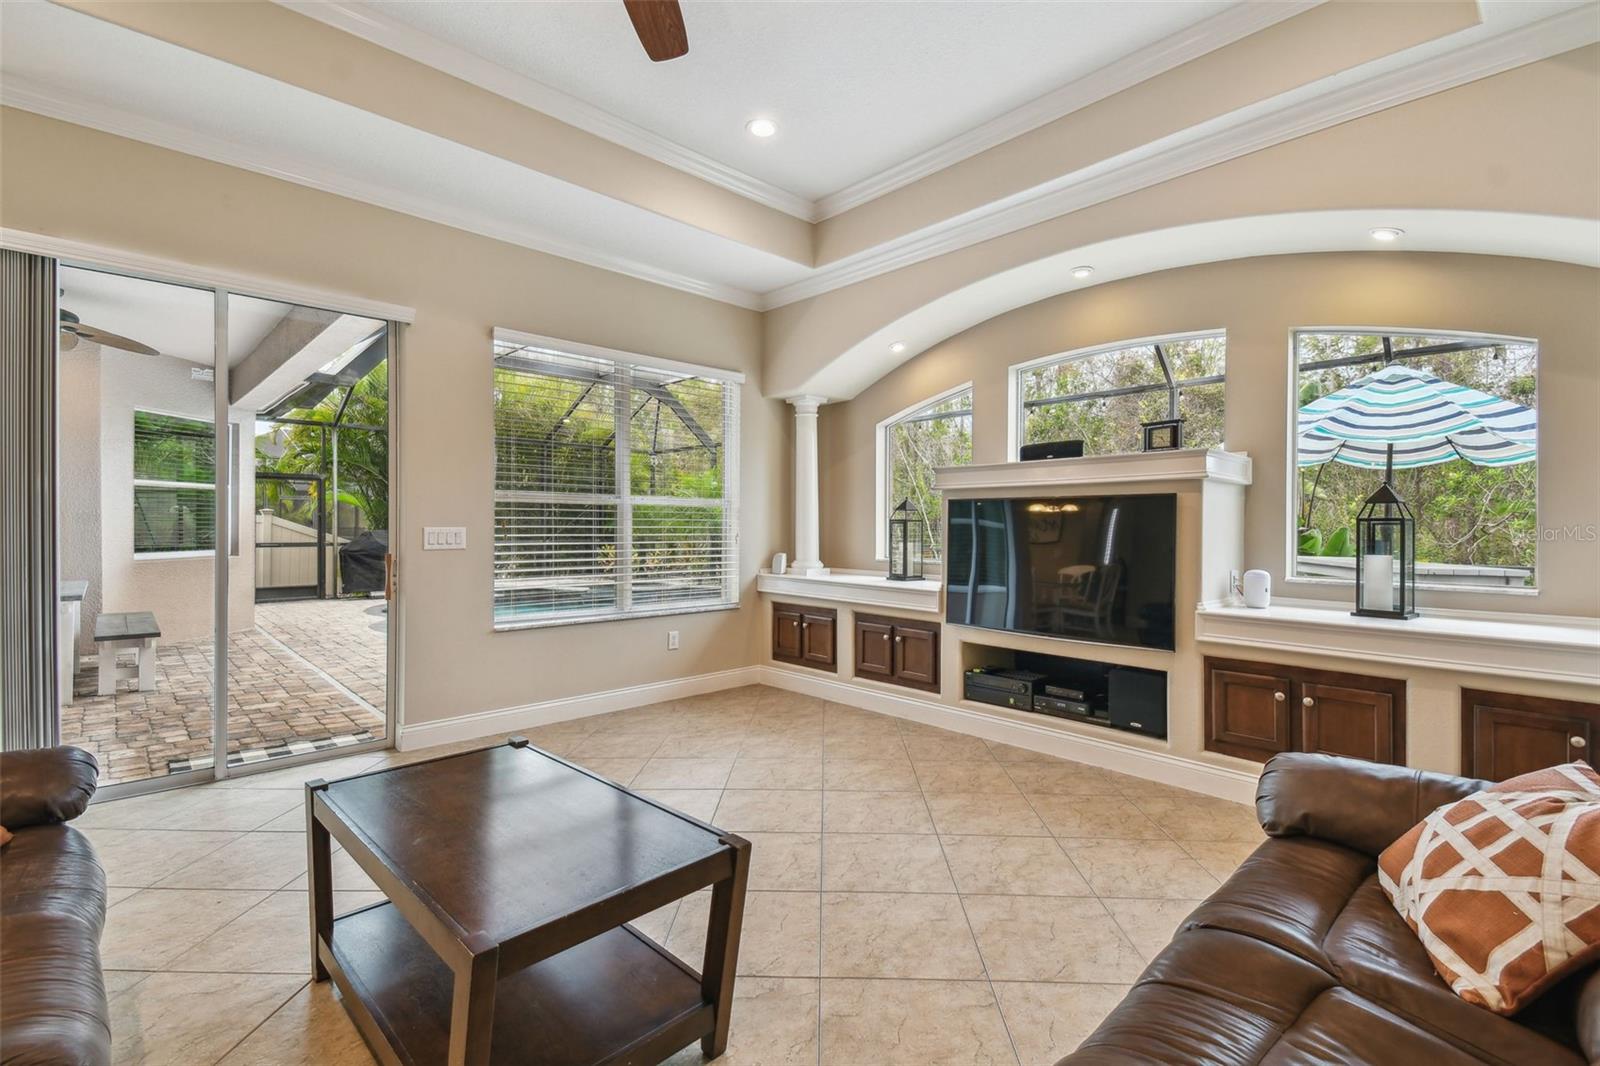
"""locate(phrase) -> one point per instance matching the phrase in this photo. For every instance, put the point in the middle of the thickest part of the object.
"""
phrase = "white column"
(807, 511)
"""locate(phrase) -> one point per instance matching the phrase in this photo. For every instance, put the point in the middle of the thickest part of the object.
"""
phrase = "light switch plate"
(444, 538)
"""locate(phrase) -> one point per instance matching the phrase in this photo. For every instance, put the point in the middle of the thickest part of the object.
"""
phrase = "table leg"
(722, 946)
(319, 862)
(108, 668)
(472, 1007)
(147, 665)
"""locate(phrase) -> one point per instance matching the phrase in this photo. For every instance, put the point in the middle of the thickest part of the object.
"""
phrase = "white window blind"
(174, 484)
(614, 487)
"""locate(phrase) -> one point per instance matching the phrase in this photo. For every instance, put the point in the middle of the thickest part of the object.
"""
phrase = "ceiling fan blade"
(109, 340)
(659, 24)
(68, 340)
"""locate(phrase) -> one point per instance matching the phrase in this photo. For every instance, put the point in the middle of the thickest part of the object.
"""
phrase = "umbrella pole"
(1316, 483)
(1388, 468)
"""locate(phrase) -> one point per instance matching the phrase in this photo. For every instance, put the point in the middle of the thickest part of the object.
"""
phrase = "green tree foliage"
(1110, 424)
(363, 454)
(1466, 515)
(919, 445)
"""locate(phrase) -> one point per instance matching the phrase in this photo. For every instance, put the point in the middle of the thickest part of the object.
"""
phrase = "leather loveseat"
(1300, 958)
(52, 909)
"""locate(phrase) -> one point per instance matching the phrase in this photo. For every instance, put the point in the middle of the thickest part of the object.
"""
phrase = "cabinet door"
(916, 656)
(1343, 720)
(1247, 710)
(874, 649)
(817, 638)
(1504, 735)
(785, 632)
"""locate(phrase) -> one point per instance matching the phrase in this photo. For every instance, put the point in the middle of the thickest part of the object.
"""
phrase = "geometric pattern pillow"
(1503, 887)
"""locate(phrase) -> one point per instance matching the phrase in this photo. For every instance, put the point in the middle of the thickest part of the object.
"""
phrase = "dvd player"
(1062, 708)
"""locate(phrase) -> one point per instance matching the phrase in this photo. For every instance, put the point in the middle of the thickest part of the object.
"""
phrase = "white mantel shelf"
(1511, 645)
(1189, 464)
(860, 587)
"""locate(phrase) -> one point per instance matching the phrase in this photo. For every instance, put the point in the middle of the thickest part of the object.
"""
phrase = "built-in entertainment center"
(1064, 619)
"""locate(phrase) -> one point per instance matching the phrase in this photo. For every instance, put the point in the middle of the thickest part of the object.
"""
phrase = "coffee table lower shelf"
(616, 999)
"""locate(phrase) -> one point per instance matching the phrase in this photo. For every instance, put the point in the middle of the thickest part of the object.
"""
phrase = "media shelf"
(1126, 698)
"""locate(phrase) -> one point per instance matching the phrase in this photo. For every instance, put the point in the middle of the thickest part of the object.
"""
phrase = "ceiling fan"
(73, 330)
(659, 24)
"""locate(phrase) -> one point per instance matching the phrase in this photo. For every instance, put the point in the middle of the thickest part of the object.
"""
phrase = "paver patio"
(310, 670)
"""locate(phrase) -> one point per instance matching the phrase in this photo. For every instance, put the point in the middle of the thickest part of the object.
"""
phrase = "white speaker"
(780, 563)
(1257, 588)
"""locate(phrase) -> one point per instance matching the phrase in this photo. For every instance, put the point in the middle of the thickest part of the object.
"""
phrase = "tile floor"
(279, 673)
(916, 896)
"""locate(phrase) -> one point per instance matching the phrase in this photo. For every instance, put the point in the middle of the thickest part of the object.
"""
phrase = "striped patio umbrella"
(1402, 417)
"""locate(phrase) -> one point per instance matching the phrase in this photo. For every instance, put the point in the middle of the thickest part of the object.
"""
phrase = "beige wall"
(1259, 302)
(75, 183)
(1535, 147)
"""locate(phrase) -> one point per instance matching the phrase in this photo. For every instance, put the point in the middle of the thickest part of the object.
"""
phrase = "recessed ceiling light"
(1082, 272)
(761, 127)
(897, 347)
(1387, 234)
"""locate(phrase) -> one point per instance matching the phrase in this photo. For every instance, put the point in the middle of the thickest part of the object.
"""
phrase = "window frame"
(884, 478)
(136, 483)
(625, 499)
(1016, 424)
(1291, 542)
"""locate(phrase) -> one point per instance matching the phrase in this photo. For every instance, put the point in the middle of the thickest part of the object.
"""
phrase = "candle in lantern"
(1377, 583)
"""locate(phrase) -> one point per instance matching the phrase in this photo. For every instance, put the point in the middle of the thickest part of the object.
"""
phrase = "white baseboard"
(1236, 785)
(531, 715)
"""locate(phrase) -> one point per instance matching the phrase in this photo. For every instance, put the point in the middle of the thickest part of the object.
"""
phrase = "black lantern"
(907, 534)
(1386, 564)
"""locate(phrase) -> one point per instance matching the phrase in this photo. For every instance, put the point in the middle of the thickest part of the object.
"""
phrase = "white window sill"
(866, 588)
(141, 557)
(553, 621)
(1514, 646)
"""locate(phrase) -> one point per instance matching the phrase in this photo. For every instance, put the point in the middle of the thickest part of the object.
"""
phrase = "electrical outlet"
(672, 640)
(444, 538)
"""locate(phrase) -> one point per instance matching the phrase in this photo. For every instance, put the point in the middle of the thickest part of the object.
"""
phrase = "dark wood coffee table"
(510, 875)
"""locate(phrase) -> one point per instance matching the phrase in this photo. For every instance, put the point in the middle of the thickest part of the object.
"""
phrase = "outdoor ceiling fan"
(659, 24)
(73, 330)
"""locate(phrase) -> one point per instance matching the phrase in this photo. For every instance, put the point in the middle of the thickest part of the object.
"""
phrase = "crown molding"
(1245, 131)
(1224, 28)
(52, 103)
(376, 28)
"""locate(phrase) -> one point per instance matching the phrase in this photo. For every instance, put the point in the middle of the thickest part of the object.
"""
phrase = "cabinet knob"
(898, 638)
(1307, 701)
(1278, 696)
(1578, 742)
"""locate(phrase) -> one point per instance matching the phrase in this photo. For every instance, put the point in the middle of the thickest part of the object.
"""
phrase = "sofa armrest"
(1362, 805)
(45, 785)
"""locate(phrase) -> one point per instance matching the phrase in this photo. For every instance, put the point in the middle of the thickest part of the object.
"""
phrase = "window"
(614, 490)
(174, 484)
(911, 445)
(1461, 413)
(1100, 396)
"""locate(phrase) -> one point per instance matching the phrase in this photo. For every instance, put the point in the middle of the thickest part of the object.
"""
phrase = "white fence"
(292, 567)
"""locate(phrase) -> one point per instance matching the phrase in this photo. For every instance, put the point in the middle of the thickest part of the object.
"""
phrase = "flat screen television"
(1093, 568)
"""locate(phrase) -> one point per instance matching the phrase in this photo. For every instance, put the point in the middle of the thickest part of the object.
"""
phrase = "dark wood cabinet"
(898, 650)
(1256, 710)
(1505, 735)
(1247, 711)
(805, 636)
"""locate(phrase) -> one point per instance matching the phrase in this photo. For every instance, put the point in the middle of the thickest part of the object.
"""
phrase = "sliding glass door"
(223, 530)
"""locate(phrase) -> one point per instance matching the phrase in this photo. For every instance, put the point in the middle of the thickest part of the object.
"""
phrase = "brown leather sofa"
(1300, 958)
(52, 909)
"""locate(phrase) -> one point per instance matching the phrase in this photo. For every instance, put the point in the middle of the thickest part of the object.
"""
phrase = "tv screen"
(1094, 568)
